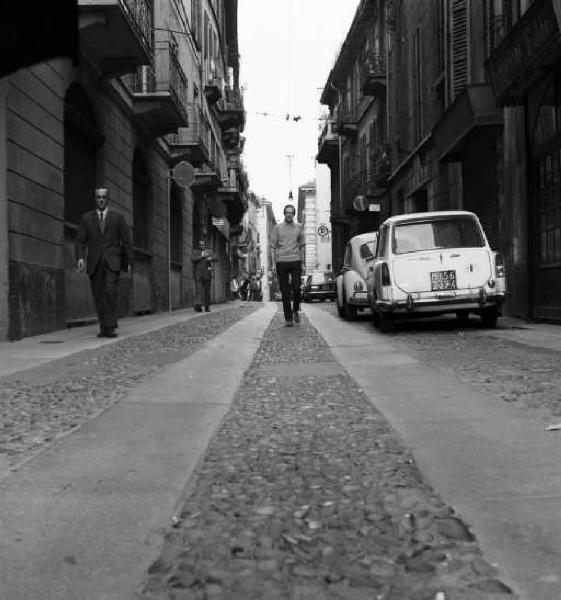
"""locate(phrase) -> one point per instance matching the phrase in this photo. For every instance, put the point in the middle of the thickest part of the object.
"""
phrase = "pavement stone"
(40, 405)
(307, 492)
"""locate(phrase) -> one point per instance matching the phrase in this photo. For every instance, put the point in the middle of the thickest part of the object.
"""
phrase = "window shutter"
(459, 23)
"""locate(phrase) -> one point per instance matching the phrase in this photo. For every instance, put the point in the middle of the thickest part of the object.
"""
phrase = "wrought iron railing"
(165, 76)
(374, 65)
(142, 16)
(198, 131)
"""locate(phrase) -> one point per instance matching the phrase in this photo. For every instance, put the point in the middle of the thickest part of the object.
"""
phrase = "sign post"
(183, 174)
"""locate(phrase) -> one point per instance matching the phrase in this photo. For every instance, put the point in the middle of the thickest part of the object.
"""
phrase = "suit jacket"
(202, 265)
(94, 245)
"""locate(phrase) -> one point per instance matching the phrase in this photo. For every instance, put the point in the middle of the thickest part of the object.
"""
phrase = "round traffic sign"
(323, 230)
(183, 174)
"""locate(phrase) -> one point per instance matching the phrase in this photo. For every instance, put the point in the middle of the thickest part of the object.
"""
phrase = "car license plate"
(443, 280)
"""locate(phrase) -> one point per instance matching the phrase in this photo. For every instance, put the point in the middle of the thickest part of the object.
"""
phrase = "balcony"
(191, 143)
(328, 144)
(160, 92)
(117, 34)
(213, 83)
(347, 122)
(374, 74)
(230, 110)
(207, 180)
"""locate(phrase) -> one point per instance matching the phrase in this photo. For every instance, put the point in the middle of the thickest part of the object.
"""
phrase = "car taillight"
(359, 286)
(386, 274)
(499, 265)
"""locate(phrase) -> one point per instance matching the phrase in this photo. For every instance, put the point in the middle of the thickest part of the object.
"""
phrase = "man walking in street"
(288, 246)
(103, 249)
(202, 273)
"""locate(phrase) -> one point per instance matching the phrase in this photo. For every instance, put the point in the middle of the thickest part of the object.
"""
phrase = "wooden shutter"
(459, 46)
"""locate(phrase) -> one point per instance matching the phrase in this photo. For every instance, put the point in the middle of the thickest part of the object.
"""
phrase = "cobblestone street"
(306, 492)
(40, 405)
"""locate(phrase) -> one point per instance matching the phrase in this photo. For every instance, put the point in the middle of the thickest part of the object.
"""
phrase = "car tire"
(489, 317)
(386, 323)
(349, 312)
(463, 317)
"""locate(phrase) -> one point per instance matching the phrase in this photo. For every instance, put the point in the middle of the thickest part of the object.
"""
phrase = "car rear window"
(317, 278)
(432, 235)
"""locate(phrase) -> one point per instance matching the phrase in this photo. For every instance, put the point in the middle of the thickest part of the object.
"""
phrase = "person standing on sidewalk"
(288, 246)
(103, 249)
(202, 273)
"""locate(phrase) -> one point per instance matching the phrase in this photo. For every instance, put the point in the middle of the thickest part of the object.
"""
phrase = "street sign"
(183, 174)
(323, 230)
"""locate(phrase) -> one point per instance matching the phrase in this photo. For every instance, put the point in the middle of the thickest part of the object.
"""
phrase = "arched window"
(176, 224)
(141, 201)
(81, 143)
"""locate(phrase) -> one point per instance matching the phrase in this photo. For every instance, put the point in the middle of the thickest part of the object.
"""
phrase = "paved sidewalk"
(33, 351)
(538, 335)
(489, 460)
(85, 518)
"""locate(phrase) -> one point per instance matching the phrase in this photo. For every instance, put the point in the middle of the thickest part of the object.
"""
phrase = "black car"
(319, 286)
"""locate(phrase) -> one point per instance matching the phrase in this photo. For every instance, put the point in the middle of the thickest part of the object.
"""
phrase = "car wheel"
(349, 312)
(489, 317)
(463, 317)
(386, 323)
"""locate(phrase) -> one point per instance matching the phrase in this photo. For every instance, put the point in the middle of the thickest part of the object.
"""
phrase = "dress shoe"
(289, 324)
(297, 318)
(110, 333)
(207, 309)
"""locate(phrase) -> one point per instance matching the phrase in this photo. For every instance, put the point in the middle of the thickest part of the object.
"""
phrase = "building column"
(4, 248)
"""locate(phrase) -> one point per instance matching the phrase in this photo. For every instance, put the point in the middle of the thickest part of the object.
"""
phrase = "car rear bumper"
(320, 295)
(468, 301)
(358, 299)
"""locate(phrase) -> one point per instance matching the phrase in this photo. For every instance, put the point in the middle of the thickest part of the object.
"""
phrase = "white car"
(351, 283)
(435, 263)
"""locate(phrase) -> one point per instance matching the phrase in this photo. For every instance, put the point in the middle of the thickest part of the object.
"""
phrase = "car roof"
(422, 216)
(363, 238)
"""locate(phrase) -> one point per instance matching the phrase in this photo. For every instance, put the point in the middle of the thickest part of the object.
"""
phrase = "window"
(141, 201)
(459, 47)
(433, 235)
(81, 143)
(176, 224)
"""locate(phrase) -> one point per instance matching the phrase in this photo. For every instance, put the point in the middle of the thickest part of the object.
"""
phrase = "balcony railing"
(374, 73)
(347, 121)
(231, 111)
(160, 91)
(117, 34)
(213, 81)
(328, 143)
(192, 143)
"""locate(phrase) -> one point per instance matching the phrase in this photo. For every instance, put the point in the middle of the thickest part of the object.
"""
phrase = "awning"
(472, 112)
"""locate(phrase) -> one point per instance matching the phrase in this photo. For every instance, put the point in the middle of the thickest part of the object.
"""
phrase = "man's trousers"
(289, 274)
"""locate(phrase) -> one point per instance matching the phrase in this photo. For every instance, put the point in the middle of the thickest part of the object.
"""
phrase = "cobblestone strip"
(39, 405)
(307, 493)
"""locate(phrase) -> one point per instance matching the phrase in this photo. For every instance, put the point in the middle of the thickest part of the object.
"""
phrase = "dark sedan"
(319, 286)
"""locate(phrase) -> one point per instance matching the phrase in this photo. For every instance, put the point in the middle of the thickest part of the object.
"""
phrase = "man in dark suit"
(202, 260)
(102, 239)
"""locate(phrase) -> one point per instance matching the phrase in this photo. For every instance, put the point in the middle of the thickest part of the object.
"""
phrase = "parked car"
(351, 283)
(435, 263)
(319, 286)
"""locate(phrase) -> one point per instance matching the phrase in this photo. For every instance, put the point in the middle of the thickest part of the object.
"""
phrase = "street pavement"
(268, 463)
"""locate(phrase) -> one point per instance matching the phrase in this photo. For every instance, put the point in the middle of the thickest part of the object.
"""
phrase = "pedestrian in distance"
(288, 247)
(255, 289)
(244, 287)
(234, 288)
(202, 260)
(103, 250)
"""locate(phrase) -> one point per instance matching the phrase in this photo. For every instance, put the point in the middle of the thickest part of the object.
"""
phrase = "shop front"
(525, 74)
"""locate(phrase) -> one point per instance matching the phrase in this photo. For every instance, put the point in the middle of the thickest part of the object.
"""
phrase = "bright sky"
(287, 49)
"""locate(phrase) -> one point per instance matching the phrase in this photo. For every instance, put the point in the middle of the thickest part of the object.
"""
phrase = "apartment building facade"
(472, 123)
(156, 85)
